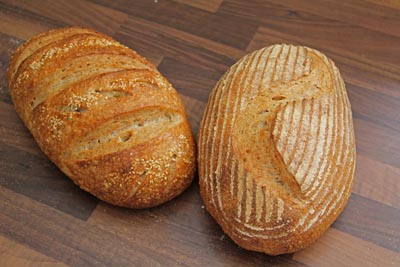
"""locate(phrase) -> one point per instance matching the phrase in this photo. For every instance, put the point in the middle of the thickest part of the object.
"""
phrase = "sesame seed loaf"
(276, 149)
(104, 115)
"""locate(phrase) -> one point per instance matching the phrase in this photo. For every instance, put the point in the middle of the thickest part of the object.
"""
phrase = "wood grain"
(46, 220)
(379, 181)
(190, 84)
(207, 5)
(14, 254)
(183, 230)
(75, 12)
(152, 38)
(389, 3)
(382, 232)
(373, 16)
(213, 26)
(332, 250)
(385, 115)
(337, 39)
(377, 142)
(193, 108)
(21, 23)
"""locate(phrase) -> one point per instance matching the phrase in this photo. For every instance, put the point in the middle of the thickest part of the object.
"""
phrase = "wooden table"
(45, 220)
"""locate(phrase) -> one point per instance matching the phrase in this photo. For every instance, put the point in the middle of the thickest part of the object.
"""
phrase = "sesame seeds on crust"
(64, 93)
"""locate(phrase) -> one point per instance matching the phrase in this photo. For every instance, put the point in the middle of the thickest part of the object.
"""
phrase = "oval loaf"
(104, 115)
(276, 149)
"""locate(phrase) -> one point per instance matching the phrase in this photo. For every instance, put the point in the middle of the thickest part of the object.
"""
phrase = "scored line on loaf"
(39, 41)
(122, 132)
(104, 115)
(58, 81)
(85, 54)
(310, 134)
(253, 62)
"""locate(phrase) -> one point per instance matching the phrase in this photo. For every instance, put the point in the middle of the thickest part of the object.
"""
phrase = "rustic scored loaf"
(104, 115)
(276, 149)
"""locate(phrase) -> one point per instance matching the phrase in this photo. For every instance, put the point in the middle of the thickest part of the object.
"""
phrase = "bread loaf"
(276, 149)
(104, 115)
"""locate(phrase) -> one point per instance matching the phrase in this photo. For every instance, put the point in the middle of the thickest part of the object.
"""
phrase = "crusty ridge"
(38, 41)
(273, 136)
(104, 115)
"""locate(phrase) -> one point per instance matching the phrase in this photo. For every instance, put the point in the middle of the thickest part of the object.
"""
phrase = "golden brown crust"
(104, 115)
(276, 149)
(39, 41)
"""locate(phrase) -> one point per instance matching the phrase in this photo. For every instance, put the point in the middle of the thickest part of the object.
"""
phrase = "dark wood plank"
(377, 142)
(375, 107)
(394, 4)
(373, 50)
(207, 5)
(182, 223)
(355, 46)
(7, 45)
(83, 244)
(78, 243)
(15, 134)
(369, 15)
(380, 227)
(23, 24)
(41, 180)
(369, 79)
(148, 37)
(26, 170)
(353, 72)
(194, 109)
(75, 12)
(237, 33)
(377, 181)
(14, 254)
(336, 248)
(197, 82)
